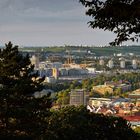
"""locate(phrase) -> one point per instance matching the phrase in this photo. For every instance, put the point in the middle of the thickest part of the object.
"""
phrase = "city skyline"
(48, 23)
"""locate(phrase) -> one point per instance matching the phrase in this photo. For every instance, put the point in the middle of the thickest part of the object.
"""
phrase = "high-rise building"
(50, 79)
(79, 97)
(134, 64)
(110, 63)
(35, 61)
(101, 62)
(122, 64)
(55, 73)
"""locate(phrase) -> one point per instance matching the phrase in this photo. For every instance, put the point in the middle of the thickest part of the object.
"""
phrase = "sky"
(48, 23)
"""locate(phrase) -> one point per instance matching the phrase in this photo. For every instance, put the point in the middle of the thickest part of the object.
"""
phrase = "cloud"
(47, 22)
(49, 34)
(41, 5)
(39, 11)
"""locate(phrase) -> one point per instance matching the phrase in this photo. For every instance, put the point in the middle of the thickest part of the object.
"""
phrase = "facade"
(57, 65)
(35, 61)
(55, 73)
(96, 102)
(42, 65)
(63, 72)
(112, 83)
(50, 79)
(124, 87)
(101, 62)
(110, 64)
(77, 71)
(123, 102)
(47, 72)
(91, 70)
(72, 71)
(102, 89)
(134, 64)
(122, 64)
(135, 95)
(79, 97)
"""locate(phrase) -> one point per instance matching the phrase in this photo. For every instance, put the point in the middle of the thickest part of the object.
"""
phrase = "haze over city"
(48, 22)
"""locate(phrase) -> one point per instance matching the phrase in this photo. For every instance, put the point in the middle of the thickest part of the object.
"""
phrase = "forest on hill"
(98, 51)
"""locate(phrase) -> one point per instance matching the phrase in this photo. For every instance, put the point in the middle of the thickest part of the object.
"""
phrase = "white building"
(35, 61)
(91, 70)
(110, 63)
(50, 79)
(119, 54)
(99, 101)
(101, 62)
(122, 64)
(134, 64)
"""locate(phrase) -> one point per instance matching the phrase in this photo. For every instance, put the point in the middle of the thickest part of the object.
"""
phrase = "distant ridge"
(98, 51)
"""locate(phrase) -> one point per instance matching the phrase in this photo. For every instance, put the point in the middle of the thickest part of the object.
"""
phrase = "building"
(55, 73)
(102, 89)
(122, 64)
(110, 63)
(63, 72)
(135, 96)
(79, 97)
(134, 64)
(112, 83)
(77, 71)
(57, 65)
(124, 87)
(123, 102)
(101, 62)
(50, 79)
(91, 70)
(42, 65)
(99, 101)
(35, 61)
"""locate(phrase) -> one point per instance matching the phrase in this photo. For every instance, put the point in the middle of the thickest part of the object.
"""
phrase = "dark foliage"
(21, 115)
(119, 16)
(78, 124)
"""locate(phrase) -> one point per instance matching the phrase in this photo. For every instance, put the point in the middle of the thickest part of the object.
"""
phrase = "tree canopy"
(17, 73)
(20, 113)
(79, 124)
(119, 16)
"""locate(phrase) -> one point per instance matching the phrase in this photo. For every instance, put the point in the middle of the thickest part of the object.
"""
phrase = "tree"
(17, 73)
(118, 91)
(77, 123)
(63, 97)
(20, 112)
(119, 16)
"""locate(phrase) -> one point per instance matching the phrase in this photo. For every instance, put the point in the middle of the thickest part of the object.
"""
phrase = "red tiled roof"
(132, 118)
